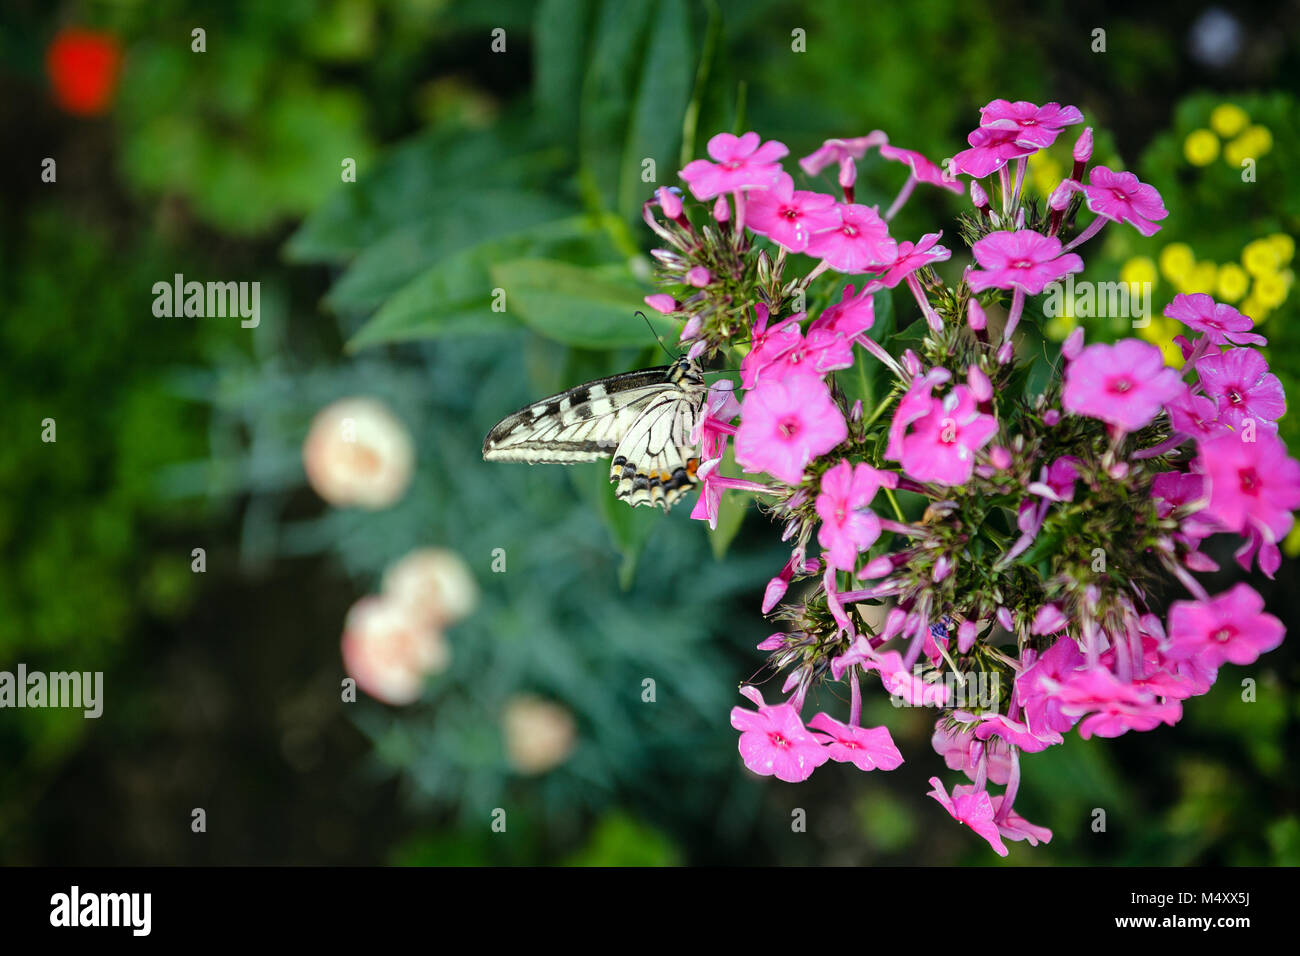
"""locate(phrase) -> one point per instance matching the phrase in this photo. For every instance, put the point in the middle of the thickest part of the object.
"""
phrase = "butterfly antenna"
(658, 337)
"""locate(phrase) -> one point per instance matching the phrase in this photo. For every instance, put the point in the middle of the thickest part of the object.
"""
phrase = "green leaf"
(576, 305)
(455, 295)
(561, 30)
(662, 96)
(407, 251)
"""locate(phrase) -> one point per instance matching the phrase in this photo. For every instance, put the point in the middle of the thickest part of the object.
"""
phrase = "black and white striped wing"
(583, 424)
(655, 462)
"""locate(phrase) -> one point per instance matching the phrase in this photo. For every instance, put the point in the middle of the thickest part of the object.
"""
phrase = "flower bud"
(848, 173)
(1000, 458)
(1006, 352)
(699, 277)
(979, 383)
(1073, 344)
(1083, 146)
(721, 211)
(662, 302)
(669, 201)
(978, 196)
(966, 636)
(976, 317)
(1060, 197)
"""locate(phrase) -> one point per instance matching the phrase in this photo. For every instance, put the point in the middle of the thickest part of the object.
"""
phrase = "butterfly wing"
(653, 464)
(584, 423)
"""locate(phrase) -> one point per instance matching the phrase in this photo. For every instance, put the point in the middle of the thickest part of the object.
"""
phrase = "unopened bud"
(669, 201)
(976, 317)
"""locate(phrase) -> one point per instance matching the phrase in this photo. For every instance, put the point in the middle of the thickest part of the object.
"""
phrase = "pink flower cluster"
(1041, 528)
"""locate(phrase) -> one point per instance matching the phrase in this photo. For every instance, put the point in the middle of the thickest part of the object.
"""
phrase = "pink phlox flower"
(774, 741)
(941, 446)
(861, 242)
(990, 150)
(1015, 827)
(742, 162)
(971, 807)
(1220, 323)
(714, 426)
(916, 403)
(1229, 627)
(1020, 259)
(1048, 620)
(835, 151)
(960, 750)
(848, 526)
(768, 345)
(1252, 484)
(1015, 732)
(914, 256)
(860, 652)
(900, 682)
(789, 216)
(1195, 415)
(1270, 558)
(1034, 126)
(1122, 197)
(923, 170)
(1126, 384)
(851, 316)
(867, 748)
(1242, 387)
(1110, 707)
(1033, 689)
(710, 500)
(1056, 481)
(785, 424)
(776, 587)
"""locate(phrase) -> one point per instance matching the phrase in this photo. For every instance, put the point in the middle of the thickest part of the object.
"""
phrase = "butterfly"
(644, 420)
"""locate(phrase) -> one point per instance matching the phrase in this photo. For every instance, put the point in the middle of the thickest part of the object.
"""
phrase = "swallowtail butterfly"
(643, 419)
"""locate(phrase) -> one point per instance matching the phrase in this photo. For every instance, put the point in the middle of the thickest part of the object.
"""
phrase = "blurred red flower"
(83, 66)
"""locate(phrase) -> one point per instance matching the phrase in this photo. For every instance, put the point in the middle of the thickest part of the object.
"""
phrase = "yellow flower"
(1202, 278)
(1291, 543)
(1228, 119)
(1232, 282)
(1260, 257)
(1284, 246)
(1060, 326)
(1138, 270)
(1161, 331)
(1044, 173)
(1201, 147)
(1176, 261)
(1270, 289)
(1260, 137)
(1255, 309)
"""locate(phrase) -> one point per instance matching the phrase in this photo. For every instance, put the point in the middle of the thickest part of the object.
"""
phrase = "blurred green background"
(521, 166)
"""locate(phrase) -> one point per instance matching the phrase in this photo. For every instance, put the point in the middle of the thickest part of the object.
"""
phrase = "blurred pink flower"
(742, 163)
(389, 651)
(923, 170)
(1230, 627)
(1252, 484)
(358, 454)
(434, 584)
(835, 151)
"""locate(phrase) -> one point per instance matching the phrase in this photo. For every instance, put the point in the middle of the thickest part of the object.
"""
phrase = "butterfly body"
(641, 420)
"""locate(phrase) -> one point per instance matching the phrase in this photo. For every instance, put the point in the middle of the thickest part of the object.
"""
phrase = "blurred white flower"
(434, 583)
(389, 652)
(540, 735)
(358, 453)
